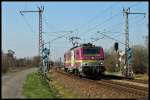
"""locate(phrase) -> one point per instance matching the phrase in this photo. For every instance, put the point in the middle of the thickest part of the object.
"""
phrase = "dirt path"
(12, 83)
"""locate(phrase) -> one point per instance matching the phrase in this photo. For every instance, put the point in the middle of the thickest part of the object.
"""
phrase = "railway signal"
(46, 51)
(116, 46)
(45, 59)
(130, 55)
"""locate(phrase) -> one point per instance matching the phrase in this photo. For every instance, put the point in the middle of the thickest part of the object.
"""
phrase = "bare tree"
(140, 59)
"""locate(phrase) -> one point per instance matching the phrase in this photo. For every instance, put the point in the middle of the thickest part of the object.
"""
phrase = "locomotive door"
(72, 58)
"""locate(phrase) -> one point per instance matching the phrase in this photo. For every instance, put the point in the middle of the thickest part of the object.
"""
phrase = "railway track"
(132, 89)
(126, 87)
(133, 85)
(126, 79)
(138, 81)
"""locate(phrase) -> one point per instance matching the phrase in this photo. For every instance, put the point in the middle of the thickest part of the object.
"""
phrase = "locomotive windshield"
(90, 51)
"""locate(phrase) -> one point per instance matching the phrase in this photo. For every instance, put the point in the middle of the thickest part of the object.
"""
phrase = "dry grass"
(65, 92)
(142, 77)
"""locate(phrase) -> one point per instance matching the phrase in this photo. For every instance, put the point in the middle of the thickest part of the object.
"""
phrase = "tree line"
(140, 62)
(10, 61)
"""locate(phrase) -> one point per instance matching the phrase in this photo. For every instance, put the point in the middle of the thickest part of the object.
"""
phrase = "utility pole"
(41, 46)
(126, 12)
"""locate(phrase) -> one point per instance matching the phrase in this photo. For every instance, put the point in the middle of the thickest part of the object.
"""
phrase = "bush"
(5, 65)
(140, 61)
(4, 69)
(9, 61)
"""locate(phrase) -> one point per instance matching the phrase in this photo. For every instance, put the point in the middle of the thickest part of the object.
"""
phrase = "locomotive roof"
(83, 45)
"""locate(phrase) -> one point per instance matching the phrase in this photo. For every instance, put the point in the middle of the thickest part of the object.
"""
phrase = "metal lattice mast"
(40, 11)
(41, 46)
(126, 12)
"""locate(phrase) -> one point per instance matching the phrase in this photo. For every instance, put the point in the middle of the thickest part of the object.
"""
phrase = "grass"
(36, 87)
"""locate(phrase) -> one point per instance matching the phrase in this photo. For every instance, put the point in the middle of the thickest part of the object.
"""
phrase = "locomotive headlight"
(84, 64)
(80, 69)
(101, 63)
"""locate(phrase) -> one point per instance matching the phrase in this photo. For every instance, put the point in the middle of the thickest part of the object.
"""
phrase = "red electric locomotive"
(85, 60)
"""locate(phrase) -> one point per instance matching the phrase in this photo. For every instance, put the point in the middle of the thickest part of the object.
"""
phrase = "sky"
(20, 33)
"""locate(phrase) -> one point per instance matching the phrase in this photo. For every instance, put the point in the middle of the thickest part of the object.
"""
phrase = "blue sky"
(20, 33)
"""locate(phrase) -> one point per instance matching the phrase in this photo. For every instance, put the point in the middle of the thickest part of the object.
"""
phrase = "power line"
(62, 36)
(109, 37)
(120, 23)
(108, 19)
(117, 24)
(101, 12)
(117, 32)
(57, 32)
(133, 5)
(62, 31)
(47, 25)
(114, 32)
(120, 33)
(96, 39)
(95, 17)
(28, 25)
(69, 32)
(116, 35)
(138, 20)
(47, 33)
(135, 17)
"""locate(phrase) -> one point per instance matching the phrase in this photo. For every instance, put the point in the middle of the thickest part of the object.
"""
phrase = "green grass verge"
(36, 87)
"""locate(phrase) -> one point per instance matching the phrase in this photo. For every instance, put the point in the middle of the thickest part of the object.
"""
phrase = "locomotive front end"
(92, 61)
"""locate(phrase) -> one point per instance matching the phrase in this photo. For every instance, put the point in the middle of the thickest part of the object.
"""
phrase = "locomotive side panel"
(72, 59)
(101, 53)
(67, 60)
(78, 57)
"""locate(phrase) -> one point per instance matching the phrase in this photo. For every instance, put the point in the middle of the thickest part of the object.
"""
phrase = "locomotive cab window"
(90, 50)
